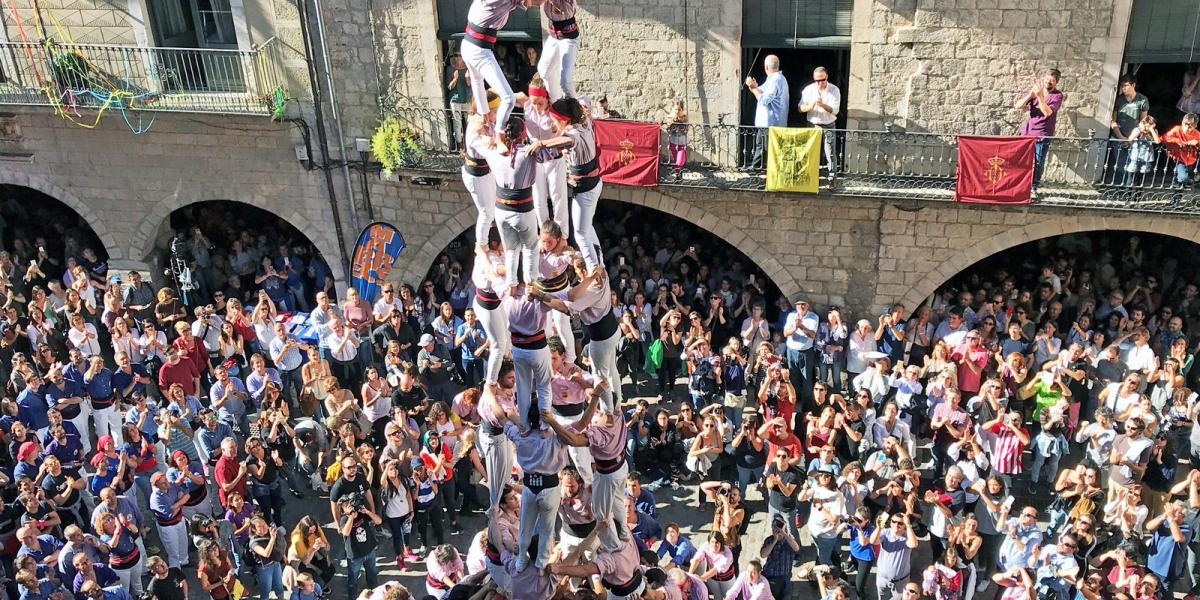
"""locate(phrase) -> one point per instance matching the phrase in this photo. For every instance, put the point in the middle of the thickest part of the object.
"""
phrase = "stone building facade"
(952, 65)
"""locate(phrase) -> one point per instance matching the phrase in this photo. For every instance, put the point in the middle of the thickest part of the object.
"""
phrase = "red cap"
(157, 477)
(537, 91)
(176, 454)
(27, 449)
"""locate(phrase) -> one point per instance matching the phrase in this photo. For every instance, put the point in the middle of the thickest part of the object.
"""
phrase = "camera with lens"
(354, 500)
(724, 489)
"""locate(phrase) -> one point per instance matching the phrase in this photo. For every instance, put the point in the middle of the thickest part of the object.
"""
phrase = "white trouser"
(550, 189)
(581, 456)
(483, 193)
(559, 324)
(583, 209)
(603, 354)
(482, 67)
(557, 65)
(131, 578)
(519, 234)
(203, 508)
(108, 422)
(80, 422)
(539, 511)
(608, 505)
(175, 543)
(495, 325)
(497, 453)
(532, 368)
(575, 549)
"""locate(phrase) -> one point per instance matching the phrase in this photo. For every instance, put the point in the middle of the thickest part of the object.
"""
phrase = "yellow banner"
(793, 159)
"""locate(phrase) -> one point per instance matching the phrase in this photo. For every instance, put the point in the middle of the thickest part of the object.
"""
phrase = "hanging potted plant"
(395, 145)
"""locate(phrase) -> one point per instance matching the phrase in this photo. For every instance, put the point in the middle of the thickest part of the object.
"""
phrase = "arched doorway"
(1108, 282)
(229, 249)
(36, 228)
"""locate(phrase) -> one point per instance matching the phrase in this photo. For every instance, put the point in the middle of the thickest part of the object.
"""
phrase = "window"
(216, 22)
(796, 23)
(1162, 31)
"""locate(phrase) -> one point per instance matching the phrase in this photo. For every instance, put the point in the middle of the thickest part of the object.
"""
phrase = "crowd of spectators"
(149, 445)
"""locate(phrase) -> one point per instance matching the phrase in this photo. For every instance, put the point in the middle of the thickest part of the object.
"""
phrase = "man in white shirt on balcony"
(821, 101)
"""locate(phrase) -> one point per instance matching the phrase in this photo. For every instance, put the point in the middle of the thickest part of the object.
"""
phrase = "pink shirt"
(438, 571)
(968, 380)
(480, 278)
(507, 401)
(577, 510)
(515, 170)
(526, 315)
(559, 10)
(492, 13)
(583, 145)
(538, 125)
(358, 315)
(618, 567)
(552, 265)
(721, 562)
(593, 304)
(745, 589)
(529, 584)
(565, 387)
(607, 443)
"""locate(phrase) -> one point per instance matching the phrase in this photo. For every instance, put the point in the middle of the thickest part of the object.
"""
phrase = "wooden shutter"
(796, 23)
(1163, 31)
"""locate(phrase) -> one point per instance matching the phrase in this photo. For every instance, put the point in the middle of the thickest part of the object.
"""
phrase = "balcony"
(75, 77)
(1079, 172)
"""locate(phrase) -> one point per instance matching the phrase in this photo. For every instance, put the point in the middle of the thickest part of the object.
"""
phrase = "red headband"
(537, 91)
(557, 116)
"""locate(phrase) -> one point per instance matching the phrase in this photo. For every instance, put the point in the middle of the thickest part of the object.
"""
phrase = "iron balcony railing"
(93, 76)
(1080, 172)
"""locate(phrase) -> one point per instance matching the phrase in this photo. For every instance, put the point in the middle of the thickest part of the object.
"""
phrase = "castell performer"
(591, 299)
(484, 19)
(488, 277)
(575, 509)
(531, 357)
(604, 435)
(514, 167)
(558, 51)
(556, 258)
(550, 188)
(577, 141)
(572, 389)
(620, 571)
(495, 405)
(541, 456)
(476, 174)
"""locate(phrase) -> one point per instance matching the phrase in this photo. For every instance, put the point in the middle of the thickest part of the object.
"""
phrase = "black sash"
(487, 300)
(475, 168)
(484, 37)
(581, 530)
(514, 199)
(624, 589)
(537, 482)
(565, 29)
(569, 410)
(536, 341)
(609, 466)
(604, 328)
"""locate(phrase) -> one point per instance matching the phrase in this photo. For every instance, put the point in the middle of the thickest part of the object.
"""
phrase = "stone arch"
(423, 256)
(1054, 225)
(142, 240)
(85, 212)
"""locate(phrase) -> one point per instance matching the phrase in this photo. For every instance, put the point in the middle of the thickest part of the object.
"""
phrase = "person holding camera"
(358, 525)
(780, 551)
(269, 552)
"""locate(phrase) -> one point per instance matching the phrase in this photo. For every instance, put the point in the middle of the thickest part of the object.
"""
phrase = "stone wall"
(127, 196)
(855, 252)
(641, 53)
(958, 65)
(84, 21)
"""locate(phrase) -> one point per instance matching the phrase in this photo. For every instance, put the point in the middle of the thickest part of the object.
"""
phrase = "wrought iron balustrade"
(94, 76)
(1078, 171)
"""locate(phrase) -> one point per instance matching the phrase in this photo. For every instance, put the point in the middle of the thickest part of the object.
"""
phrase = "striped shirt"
(1006, 450)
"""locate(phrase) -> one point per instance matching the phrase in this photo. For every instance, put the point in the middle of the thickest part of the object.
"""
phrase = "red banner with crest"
(628, 152)
(994, 169)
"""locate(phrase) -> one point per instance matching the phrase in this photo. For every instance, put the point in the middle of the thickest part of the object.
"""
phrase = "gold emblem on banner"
(995, 172)
(626, 155)
(792, 163)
